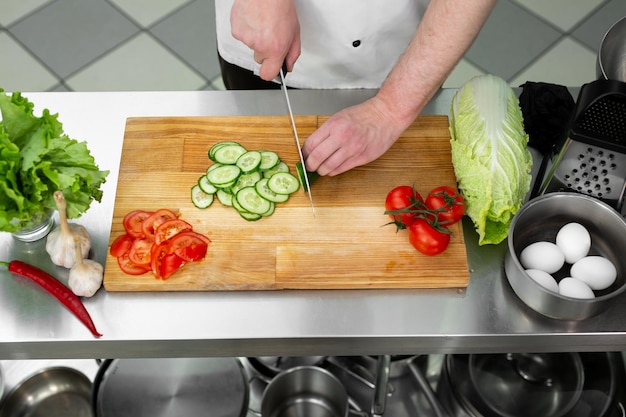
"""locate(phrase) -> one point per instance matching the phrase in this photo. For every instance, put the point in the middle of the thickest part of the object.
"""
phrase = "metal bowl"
(611, 60)
(305, 391)
(57, 391)
(539, 220)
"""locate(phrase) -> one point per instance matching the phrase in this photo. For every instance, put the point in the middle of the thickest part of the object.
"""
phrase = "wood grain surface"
(346, 245)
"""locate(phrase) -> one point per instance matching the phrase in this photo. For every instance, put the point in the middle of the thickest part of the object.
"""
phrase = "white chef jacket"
(345, 43)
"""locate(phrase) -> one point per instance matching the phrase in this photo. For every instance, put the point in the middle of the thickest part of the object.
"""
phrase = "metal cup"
(306, 391)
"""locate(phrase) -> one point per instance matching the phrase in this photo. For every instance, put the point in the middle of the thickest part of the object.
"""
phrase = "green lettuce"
(37, 159)
(489, 153)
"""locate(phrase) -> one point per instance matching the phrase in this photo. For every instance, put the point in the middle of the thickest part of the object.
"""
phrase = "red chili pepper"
(56, 288)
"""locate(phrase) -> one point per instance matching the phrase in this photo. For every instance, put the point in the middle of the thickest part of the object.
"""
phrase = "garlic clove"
(86, 275)
(60, 241)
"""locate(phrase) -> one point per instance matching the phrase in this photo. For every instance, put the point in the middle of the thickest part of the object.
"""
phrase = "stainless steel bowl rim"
(601, 65)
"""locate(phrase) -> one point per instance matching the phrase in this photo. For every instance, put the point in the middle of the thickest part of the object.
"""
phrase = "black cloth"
(548, 110)
(237, 78)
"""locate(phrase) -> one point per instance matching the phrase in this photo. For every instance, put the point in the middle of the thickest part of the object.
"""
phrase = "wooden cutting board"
(345, 246)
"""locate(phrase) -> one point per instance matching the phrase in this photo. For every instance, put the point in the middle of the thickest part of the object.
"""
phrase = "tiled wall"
(100, 45)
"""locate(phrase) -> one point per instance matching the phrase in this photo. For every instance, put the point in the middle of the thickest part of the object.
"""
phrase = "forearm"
(445, 33)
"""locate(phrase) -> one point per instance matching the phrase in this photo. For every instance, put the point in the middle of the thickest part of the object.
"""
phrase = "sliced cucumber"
(224, 174)
(250, 181)
(251, 217)
(283, 183)
(228, 154)
(264, 191)
(251, 201)
(249, 161)
(206, 186)
(269, 160)
(218, 145)
(280, 167)
(212, 167)
(225, 198)
(270, 211)
(246, 180)
(199, 198)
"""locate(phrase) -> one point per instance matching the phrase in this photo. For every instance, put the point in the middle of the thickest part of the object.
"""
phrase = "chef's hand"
(271, 29)
(352, 137)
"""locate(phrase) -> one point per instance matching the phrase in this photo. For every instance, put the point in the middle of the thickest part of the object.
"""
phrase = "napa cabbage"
(491, 160)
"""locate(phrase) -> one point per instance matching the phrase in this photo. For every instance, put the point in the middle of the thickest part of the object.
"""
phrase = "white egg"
(575, 288)
(545, 256)
(598, 272)
(574, 241)
(544, 279)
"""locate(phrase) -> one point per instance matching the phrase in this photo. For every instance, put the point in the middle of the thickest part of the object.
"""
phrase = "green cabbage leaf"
(491, 160)
(37, 159)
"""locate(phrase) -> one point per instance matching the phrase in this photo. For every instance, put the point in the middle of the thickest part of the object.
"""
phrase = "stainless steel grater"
(592, 159)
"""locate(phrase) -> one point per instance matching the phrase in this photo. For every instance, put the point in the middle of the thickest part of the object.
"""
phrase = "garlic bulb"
(86, 275)
(60, 245)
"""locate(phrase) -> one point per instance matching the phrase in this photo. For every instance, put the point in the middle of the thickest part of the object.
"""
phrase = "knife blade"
(283, 71)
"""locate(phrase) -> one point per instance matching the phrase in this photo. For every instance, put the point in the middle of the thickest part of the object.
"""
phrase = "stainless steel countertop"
(486, 317)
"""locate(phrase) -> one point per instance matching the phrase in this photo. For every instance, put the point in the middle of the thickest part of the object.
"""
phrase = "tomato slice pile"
(157, 241)
(427, 219)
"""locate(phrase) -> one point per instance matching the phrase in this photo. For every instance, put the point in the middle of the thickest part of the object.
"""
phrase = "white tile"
(462, 73)
(142, 64)
(146, 12)
(564, 14)
(20, 71)
(218, 83)
(567, 63)
(13, 10)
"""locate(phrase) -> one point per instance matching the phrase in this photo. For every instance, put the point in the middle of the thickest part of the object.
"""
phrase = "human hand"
(352, 137)
(271, 29)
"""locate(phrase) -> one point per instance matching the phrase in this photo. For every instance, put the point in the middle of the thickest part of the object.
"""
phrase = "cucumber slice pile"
(253, 182)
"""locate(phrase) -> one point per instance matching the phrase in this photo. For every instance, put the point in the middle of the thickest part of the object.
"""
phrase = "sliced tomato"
(121, 245)
(139, 252)
(129, 267)
(169, 229)
(157, 218)
(169, 264)
(133, 222)
(156, 255)
(189, 245)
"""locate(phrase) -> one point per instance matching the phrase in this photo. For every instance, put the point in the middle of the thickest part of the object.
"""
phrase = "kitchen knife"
(283, 71)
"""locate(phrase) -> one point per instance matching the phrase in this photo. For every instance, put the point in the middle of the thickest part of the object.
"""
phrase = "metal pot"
(377, 376)
(611, 60)
(270, 366)
(512, 385)
(539, 220)
(305, 391)
(55, 391)
(170, 387)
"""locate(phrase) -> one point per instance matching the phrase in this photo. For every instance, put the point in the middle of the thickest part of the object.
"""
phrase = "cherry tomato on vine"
(400, 198)
(447, 203)
(426, 238)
